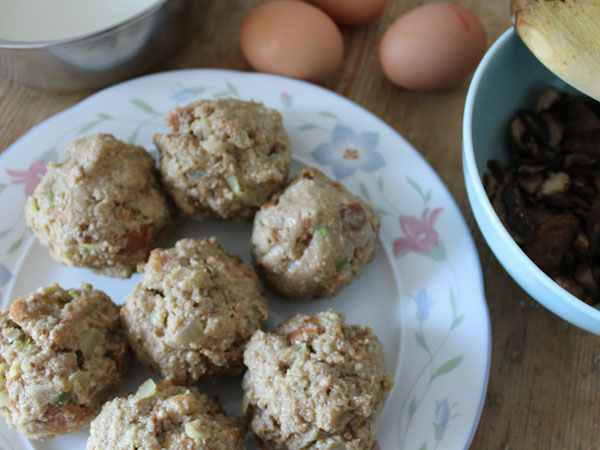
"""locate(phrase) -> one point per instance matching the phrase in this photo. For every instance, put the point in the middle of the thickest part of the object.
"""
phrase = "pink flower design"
(420, 234)
(30, 177)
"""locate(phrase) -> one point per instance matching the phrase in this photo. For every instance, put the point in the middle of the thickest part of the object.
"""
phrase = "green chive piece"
(36, 207)
(52, 200)
(63, 397)
(323, 230)
(261, 222)
(253, 244)
(340, 264)
(27, 342)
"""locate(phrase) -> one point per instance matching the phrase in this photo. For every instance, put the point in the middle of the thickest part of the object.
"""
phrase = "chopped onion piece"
(43, 394)
(195, 431)
(213, 144)
(191, 333)
(90, 341)
(248, 198)
(12, 334)
(242, 140)
(147, 389)
(15, 370)
(80, 377)
(4, 399)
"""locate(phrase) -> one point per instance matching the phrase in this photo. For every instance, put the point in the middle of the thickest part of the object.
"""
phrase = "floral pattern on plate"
(436, 326)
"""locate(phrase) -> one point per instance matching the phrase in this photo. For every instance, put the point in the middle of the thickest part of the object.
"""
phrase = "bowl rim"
(578, 310)
(6, 44)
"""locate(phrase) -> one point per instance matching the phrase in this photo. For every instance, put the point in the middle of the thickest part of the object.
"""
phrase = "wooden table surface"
(543, 390)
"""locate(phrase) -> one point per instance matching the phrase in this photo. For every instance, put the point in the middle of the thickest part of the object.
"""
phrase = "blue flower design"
(442, 417)
(424, 302)
(5, 275)
(347, 152)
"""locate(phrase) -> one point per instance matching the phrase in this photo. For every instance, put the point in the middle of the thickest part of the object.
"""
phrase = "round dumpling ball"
(163, 416)
(101, 208)
(62, 354)
(315, 383)
(224, 158)
(313, 239)
(193, 311)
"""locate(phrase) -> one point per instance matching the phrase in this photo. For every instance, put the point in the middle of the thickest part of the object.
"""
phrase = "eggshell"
(433, 46)
(352, 12)
(292, 38)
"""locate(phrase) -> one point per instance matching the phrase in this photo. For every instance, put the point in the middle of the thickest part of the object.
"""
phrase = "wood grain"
(545, 375)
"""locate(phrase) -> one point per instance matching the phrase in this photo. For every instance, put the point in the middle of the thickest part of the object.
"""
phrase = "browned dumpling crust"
(62, 354)
(163, 416)
(224, 158)
(193, 311)
(315, 383)
(101, 208)
(314, 239)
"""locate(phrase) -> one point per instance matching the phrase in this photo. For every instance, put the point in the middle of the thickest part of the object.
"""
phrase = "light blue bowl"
(508, 78)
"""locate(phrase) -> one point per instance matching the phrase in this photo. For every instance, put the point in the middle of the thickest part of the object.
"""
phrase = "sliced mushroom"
(548, 99)
(587, 143)
(579, 117)
(555, 183)
(548, 197)
(516, 212)
(521, 139)
(552, 240)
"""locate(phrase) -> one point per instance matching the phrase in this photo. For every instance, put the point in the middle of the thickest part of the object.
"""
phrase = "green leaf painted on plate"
(415, 185)
(364, 191)
(50, 155)
(380, 183)
(453, 302)
(3, 233)
(448, 366)
(412, 407)
(425, 196)
(141, 104)
(457, 321)
(424, 446)
(3, 186)
(15, 245)
(440, 429)
(232, 88)
(329, 115)
(421, 340)
(104, 116)
(134, 135)
(306, 126)
(437, 252)
(88, 126)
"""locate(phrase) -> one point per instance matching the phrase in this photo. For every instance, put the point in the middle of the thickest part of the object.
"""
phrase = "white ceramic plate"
(422, 295)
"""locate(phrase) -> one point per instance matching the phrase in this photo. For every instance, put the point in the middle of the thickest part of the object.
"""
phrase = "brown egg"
(292, 38)
(434, 46)
(352, 12)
